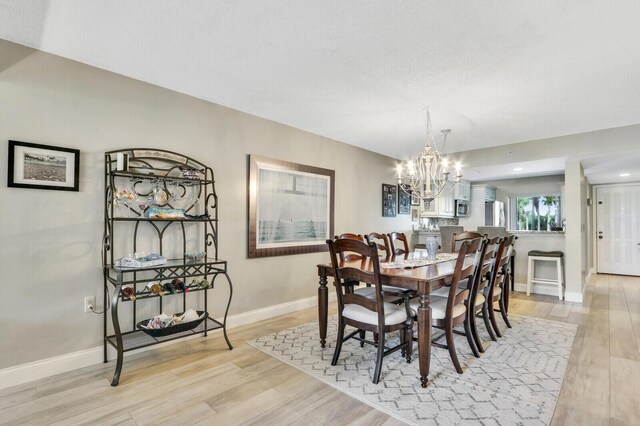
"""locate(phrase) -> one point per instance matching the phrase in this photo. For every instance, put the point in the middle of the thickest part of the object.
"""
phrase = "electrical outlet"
(89, 302)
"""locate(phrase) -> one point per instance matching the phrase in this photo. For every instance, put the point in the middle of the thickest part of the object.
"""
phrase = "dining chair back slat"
(395, 238)
(349, 236)
(382, 243)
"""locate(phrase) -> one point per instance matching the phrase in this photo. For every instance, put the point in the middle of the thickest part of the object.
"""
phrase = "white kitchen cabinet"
(443, 206)
(463, 191)
(490, 193)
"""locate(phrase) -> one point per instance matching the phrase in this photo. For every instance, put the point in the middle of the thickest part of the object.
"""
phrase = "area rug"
(515, 382)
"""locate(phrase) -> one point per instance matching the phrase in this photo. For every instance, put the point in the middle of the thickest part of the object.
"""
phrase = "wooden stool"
(549, 256)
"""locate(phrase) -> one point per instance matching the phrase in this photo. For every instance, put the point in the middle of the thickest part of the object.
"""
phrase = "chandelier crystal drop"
(427, 175)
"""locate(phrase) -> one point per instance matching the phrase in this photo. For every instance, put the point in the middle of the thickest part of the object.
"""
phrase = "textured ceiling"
(362, 72)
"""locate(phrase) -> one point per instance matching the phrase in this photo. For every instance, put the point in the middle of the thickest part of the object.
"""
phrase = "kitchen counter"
(420, 236)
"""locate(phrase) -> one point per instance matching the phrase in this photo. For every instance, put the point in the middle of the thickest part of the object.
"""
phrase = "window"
(538, 213)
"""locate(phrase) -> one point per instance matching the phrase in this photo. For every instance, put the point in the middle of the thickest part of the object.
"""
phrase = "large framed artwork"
(388, 200)
(404, 202)
(290, 207)
(38, 166)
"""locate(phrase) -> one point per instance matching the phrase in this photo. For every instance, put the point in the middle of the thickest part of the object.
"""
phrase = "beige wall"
(50, 253)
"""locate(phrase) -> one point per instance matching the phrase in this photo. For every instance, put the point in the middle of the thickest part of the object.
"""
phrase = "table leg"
(323, 307)
(424, 333)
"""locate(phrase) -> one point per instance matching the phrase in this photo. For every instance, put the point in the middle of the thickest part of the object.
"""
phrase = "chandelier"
(427, 175)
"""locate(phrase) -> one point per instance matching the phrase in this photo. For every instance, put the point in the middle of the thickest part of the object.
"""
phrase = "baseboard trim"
(570, 296)
(41, 369)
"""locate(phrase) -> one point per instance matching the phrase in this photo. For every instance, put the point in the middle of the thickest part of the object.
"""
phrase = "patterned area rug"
(515, 382)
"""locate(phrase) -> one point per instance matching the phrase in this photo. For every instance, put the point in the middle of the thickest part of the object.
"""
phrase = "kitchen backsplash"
(436, 222)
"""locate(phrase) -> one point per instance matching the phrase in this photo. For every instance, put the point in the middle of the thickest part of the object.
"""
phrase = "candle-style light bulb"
(445, 164)
(412, 170)
(399, 170)
(458, 167)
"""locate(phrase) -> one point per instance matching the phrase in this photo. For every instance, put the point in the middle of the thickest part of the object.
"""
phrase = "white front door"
(618, 229)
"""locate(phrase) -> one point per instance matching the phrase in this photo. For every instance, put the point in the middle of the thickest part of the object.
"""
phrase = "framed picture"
(404, 201)
(291, 207)
(415, 201)
(415, 214)
(37, 166)
(388, 200)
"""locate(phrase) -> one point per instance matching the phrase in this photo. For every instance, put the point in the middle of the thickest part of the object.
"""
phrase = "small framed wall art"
(404, 201)
(415, 214)
(389, 195)
(38, 166)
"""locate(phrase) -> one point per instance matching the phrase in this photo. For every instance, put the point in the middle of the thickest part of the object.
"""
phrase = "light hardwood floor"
(200, 381)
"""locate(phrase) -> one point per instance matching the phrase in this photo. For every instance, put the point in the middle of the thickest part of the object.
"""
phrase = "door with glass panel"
(618, 229)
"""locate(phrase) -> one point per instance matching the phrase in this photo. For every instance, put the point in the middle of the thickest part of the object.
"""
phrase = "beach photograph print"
(293, 207)
(42, 166)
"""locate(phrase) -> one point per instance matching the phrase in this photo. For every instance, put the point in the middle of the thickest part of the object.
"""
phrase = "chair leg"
(487, 324)
(530, 276)
(408, 330)
(474, 332)
(452, 348)
(336, 352)
(492, 318)
(507, 294)
(503, 307)
(467, 333)
(560, 283)
(376, 374)
(363, 334)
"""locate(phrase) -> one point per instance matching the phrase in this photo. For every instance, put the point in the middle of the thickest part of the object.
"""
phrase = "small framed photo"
(415, 201)
(389, 195)
(415, 214)
(38, 166)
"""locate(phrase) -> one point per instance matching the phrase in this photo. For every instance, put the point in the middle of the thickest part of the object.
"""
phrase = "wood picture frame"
(389, 197)
(37, 166)
(404, 201)
(290, 207)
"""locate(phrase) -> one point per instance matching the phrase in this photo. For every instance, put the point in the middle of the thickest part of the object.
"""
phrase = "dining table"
(421, 279)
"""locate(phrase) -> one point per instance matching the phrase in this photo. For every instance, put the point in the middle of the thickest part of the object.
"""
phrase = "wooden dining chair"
(493, 291)
(504, 279)
(363, 313)
(382, 243)
(394, 237)
(349, 236)
(449, 312)
(477, 300)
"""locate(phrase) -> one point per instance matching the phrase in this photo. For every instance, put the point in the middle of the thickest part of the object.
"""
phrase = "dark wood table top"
(436, 274)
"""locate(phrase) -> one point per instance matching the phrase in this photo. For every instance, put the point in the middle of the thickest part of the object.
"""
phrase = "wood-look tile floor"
(199, 381)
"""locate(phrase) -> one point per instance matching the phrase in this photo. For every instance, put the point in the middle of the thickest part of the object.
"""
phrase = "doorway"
(618, 229)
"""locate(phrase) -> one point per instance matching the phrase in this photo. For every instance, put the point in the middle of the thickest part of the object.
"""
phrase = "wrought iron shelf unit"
(157, 175)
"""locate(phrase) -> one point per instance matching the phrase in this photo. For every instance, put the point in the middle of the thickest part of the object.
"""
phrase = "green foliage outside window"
(538, 213)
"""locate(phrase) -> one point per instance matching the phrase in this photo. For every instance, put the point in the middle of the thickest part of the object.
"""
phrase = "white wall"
(51, 240)
(576, 239)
